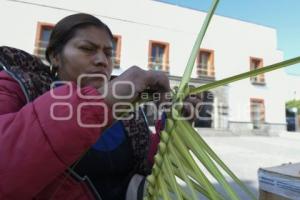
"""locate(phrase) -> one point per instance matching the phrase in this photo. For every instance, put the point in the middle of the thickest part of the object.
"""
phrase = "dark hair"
(65, 30)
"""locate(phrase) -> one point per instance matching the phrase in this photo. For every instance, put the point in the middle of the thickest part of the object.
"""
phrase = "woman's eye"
(88, 49)
(108, 54)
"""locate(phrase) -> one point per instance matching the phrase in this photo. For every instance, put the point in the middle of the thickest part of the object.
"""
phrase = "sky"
(283, 15)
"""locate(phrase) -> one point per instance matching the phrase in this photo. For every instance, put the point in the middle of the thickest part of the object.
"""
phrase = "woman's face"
(89, 52)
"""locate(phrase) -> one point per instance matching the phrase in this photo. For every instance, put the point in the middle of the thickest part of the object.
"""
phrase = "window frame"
(38, 36)
(259, 79)
(210, 68)
(165, 62)
(117, 58)
(262, 112)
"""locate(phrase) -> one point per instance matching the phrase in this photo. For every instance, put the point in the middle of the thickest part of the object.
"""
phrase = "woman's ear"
(54, 64)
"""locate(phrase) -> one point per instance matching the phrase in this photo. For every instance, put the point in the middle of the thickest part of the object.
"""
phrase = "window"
(205, 63)
(257, 113)
(256, 63)
(42, 38)
(116, 54)
(158, 56)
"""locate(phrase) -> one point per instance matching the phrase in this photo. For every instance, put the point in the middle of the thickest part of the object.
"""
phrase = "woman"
(42, 157)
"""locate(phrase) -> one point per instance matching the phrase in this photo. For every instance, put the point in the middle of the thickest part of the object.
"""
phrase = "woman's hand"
(191, 106)
(126, 87)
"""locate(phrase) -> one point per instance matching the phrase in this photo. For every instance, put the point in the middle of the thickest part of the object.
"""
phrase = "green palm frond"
(245, 75)
(183, 156)
(189, 68)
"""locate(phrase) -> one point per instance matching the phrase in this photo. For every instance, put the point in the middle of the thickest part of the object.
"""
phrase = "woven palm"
(185, 164)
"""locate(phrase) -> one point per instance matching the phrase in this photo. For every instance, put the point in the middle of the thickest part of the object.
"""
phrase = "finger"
(193, 100)
(188, 112)
(158, 81)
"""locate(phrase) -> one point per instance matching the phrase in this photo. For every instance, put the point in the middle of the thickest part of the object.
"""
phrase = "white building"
(146, 30)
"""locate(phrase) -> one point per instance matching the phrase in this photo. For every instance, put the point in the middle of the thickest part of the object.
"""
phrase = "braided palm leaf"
(182, 149)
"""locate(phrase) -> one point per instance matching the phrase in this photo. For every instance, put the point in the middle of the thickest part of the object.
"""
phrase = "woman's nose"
(100, 59)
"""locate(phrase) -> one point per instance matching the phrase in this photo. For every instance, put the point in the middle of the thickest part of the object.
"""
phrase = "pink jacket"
(36, 150)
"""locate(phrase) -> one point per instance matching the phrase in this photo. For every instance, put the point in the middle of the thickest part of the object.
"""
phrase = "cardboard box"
(280, 182)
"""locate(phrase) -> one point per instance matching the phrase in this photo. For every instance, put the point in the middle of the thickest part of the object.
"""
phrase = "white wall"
(273, 94)
(139, 21)
(291, 87)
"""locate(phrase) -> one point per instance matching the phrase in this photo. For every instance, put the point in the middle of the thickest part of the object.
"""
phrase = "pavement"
(244, 155)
